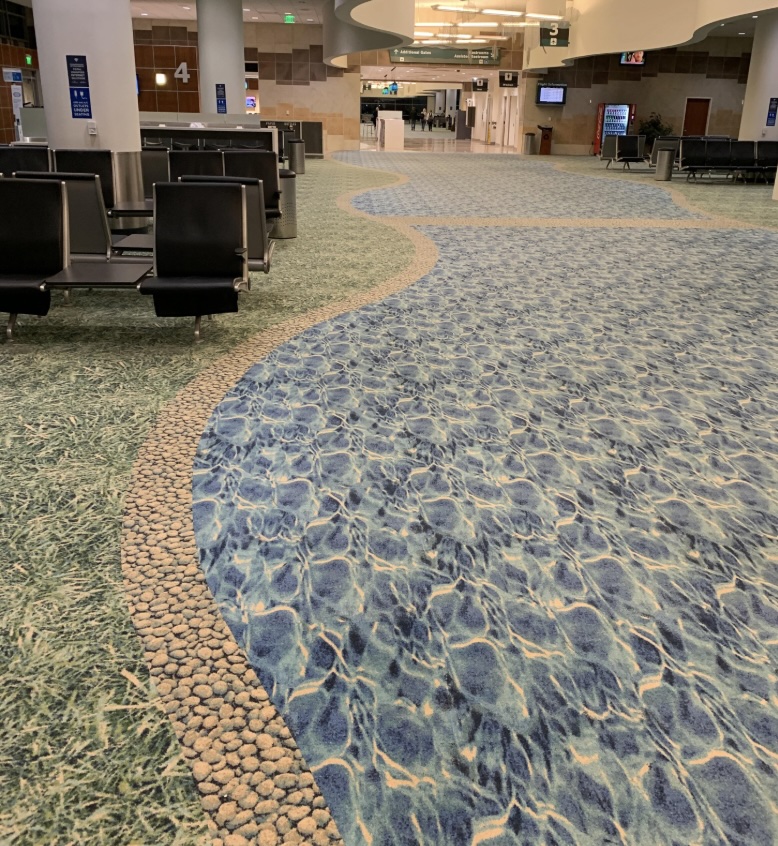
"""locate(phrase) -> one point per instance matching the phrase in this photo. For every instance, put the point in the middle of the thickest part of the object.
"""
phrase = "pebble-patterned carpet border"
(254, 784)
(252, 779)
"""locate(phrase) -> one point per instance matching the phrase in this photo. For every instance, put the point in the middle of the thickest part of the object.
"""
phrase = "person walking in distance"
(430, 119)
(423, 118)
(413, 120)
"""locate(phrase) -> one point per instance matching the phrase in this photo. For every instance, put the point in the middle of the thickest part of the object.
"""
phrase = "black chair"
(257, 164)
(767, 157)
(718, 154)
(99, 162)
(693, 157)
(33, 244)
(260, 247)
(743, 157)
(665, 142)
(195, 163)
(199, 249)
(629, 149)
(154, 167)
(19, 157)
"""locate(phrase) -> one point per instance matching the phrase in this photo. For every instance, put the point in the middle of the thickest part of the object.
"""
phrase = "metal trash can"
(296, 155)
(286, 226)
(529, 144)
(665, 159)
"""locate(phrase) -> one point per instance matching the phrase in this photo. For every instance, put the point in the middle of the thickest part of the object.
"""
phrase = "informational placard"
(772, 111)
(78, 76)
(17, 100)
(554, 35)
(509, 79)
(221, 98)
(480, 84)
(80, 103)
(12, 75)
(446, 55)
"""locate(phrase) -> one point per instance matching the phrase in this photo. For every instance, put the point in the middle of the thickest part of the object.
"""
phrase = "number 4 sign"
(182, 73)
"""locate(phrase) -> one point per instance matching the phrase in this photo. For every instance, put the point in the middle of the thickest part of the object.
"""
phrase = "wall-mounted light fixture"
(161, 79)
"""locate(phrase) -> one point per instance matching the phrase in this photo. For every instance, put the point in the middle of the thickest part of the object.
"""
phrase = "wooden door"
(695, 121)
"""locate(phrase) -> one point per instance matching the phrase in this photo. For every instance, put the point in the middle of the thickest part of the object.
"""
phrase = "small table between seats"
(94, 275)
(133, 208)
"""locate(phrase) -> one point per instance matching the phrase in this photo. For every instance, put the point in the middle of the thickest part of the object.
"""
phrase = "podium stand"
(545, 139)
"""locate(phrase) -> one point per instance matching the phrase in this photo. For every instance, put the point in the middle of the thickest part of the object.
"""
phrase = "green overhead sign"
(446, 55)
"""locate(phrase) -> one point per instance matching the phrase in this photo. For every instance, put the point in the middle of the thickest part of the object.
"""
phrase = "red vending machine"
(613, 119)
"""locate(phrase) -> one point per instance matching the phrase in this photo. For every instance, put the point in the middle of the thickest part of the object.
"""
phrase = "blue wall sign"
(78, 76)
(221, 98)
(772, 111)
(80, 103)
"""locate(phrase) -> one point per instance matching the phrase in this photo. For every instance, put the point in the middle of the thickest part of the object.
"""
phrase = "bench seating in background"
(719, 155)
(155, 167)
(199, 249)
(33, 244)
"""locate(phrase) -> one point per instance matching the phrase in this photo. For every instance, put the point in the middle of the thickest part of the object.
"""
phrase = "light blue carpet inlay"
(505, 186)
(503, 548)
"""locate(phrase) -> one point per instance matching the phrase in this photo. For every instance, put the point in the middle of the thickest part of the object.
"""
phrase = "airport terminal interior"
(389, 423)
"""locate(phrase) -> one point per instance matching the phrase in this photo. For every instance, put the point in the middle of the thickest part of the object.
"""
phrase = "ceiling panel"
(267, 11)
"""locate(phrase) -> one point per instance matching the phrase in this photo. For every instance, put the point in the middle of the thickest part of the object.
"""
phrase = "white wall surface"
(613, 26)
(762, 82)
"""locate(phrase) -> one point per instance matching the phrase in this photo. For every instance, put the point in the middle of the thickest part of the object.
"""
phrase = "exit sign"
(28, 59)
(288, 19)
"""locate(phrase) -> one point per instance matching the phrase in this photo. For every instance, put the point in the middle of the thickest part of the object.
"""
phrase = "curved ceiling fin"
(351, 26)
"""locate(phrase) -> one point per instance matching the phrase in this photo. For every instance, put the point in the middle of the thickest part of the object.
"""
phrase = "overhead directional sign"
(446, 55)
(554, 35)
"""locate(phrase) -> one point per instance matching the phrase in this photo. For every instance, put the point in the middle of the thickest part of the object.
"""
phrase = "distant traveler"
(375, 117)
(423, 118)
(414, 118)
(430, 119)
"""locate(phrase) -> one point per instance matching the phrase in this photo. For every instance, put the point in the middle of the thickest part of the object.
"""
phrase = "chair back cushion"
(767, 153)
(98, 162)
(743, 154)
(195, 163)
(256, 225)
(257, 164)
(718, 153)
(33, 227)
(90, 234)
(13, 159)
(693, 152)
(155, 168)
(199, 229)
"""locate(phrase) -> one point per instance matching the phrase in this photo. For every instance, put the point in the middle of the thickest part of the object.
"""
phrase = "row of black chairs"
(709, 155)
(200, 249)
(156, 165)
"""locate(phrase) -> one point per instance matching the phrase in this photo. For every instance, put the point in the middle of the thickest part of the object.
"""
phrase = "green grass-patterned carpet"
(85, 756)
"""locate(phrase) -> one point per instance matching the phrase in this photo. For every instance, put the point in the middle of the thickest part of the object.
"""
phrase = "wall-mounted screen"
(638, 57)
(251, 102)
(551, 94)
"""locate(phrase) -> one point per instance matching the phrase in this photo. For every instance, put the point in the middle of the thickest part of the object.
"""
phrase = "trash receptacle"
(529, 144)
(286, 227)
(665, 159)
(296, 155)
(545, 139)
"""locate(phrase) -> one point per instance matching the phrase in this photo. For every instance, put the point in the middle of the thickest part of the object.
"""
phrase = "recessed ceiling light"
(480, 25)
(144, 14)
(423, 34)
(433, 23)
(255, 19)
(503, 13)
(186, 7)
(310, 20)
(456, 8)
(741, 33)
(754, 16)
(541, 17)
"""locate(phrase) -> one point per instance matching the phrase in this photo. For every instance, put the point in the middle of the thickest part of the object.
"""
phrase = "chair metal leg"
(198, 321)
(67, 296)
(9, 329)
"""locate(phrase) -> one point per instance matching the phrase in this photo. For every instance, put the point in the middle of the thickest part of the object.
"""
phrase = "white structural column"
(220, 54)
(762, 81)
(102, 32)
(762, 84)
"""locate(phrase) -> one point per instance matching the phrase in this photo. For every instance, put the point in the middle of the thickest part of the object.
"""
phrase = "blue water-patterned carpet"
(503, 547)
(505, 186)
